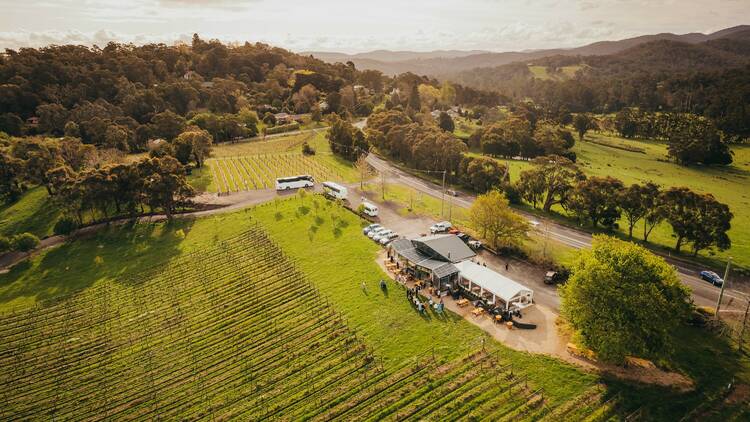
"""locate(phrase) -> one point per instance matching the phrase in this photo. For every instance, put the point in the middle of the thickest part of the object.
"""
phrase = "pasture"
(730, 185)
(639, 161)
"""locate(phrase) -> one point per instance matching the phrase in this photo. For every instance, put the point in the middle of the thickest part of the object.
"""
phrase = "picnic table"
(462, 302)
(477, 311)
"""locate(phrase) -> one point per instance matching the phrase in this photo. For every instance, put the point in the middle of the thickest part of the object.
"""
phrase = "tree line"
(696, 219)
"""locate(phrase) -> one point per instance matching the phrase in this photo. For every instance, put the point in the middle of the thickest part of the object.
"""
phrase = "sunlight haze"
(351, 26)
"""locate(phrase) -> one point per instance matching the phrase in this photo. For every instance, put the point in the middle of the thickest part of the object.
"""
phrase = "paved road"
(704, 294)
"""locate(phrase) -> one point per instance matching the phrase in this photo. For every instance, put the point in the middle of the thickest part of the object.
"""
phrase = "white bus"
(370, 209)
(294, 182)
(335, 190)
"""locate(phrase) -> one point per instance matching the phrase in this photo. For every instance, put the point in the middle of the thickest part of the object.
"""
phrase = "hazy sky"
(356, 25)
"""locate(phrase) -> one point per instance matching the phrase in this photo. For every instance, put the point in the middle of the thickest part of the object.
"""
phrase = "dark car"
(556, 277)
(712, 278)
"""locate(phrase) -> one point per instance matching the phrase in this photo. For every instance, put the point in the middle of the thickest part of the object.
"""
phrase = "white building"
(493, 287)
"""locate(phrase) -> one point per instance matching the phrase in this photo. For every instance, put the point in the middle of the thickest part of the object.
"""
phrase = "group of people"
(412, 294)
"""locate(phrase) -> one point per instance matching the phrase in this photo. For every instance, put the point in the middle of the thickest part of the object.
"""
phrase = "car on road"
(381, 234)
(712, 278)
(463, 236)
(440, 227)
(451, 192)
(388, 239)
(376, 232)
(370, 228)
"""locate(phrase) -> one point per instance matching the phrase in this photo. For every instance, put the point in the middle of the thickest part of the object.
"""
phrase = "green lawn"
(34, 212)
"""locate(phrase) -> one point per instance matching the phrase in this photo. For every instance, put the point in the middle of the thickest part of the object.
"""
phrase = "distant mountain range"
(442, 62)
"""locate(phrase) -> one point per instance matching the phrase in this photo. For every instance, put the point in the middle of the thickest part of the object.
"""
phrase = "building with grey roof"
(431, 257)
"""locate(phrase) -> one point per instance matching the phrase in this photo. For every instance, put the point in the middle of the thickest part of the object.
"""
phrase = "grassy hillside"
(326, 244)
(730, 185)
(34, 212)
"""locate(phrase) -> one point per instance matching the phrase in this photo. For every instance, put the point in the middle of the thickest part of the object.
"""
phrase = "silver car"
(381, 235)
(387, 239)
(375, 232)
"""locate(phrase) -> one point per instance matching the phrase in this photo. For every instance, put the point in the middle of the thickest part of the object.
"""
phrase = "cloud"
(218, 4)
(21, 39)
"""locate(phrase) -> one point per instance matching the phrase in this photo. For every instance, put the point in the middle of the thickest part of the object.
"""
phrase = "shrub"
(511, 192)
(307, 149)
(25, 242)
(281, 129)
(5, 244)
(65, 226)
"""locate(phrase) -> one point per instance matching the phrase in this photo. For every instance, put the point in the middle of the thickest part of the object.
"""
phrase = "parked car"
(463, 236)
(387, 239)
(370, 228)
(556, 277)
(712, 278)
(474, 244)
(451, 192)
(382, 234)
(440, 227)
(375, 232)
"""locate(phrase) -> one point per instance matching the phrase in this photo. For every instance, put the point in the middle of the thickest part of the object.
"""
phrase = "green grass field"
(638, 161)
(34, 212)
(730, 185)
(158, 282)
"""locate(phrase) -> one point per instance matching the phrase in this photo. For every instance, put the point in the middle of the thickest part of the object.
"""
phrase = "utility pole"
(442, 203)
(721, 293)
(382, 183)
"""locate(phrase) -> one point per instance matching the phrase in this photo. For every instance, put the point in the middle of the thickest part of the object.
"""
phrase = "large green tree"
(696, 140)
(622, 300)
(556, 174)
(496, 223)
(596, 199)
(696, 218)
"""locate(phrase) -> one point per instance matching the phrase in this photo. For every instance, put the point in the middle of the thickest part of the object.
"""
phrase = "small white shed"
(492, 286)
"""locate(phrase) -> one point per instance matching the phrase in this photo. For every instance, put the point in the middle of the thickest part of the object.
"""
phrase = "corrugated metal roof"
(407, 250)
(501, 286)
(447, 247)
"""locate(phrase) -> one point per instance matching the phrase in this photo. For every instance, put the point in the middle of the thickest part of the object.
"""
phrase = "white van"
(370, 209)
(334, 190)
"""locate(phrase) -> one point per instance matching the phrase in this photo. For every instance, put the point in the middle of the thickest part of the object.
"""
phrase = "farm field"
(256, 164)
(215, 311)
(730, 185)
(606, 155)
(232, 327)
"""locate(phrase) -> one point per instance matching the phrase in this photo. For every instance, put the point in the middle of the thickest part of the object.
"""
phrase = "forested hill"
(131, 84)
(436, 63)
(711, 78)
